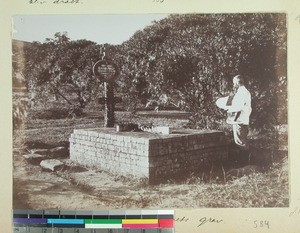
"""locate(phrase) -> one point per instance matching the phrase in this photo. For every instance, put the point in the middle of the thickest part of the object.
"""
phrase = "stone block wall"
(116, 153)
(146, 155)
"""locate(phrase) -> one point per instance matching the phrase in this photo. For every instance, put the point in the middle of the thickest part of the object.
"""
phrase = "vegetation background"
(183, 61)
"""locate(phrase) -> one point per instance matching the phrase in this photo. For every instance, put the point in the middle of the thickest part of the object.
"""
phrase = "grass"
(256, 190)
(259, 189)
(268, 189)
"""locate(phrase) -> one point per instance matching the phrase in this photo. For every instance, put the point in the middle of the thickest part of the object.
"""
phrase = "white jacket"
(241, 102)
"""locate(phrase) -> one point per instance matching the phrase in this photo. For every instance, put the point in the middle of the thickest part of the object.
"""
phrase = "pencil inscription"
(158, 1)
(56, 2)
(37, 2)
(66, 1)
(183, 219)
(208, 220)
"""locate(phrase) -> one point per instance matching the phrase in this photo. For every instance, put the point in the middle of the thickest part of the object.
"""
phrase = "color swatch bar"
(65, 221)
(103, 223)
(111, 219)
(103, 226)
(30, 220)
(139, 226)
(140, 223)
(166, 223)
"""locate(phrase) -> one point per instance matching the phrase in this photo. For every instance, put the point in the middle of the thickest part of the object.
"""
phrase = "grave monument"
(107, 71)
(154, 155)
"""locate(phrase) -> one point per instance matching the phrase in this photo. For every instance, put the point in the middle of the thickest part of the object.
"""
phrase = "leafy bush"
(59, 68)
(191, 59)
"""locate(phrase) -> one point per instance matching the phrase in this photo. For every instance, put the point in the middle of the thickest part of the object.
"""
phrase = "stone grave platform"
(153, 156)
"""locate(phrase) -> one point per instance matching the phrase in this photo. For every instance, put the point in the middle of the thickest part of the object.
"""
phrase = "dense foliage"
(189, 61)
(184, 61)
(60, 68)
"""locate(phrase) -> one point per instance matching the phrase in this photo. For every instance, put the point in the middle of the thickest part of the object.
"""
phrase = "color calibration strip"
(127, 221)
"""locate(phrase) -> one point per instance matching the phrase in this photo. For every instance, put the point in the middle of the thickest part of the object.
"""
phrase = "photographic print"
(150, 111)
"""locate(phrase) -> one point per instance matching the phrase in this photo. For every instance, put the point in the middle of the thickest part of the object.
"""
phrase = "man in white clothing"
(239, 109)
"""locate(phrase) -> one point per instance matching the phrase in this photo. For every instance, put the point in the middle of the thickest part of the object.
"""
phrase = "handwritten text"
(261, 224)
(182, 219)
(158, 1)
(208, 220)
(54, 1)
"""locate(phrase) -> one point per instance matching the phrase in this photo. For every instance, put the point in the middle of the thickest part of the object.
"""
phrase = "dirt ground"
(75, 187)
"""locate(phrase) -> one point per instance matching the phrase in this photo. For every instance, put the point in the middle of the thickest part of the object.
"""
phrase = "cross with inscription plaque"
(107, 71)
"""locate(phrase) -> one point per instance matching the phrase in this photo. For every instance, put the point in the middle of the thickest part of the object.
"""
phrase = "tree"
(192, 58)
(63, 68)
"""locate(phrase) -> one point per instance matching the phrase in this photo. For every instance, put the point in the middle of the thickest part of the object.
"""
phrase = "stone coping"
(148, 135)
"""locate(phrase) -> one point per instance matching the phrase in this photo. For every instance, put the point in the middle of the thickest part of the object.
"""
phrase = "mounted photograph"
(150, 111)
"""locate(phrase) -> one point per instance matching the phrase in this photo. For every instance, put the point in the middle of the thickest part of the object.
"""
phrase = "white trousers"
(240, 133)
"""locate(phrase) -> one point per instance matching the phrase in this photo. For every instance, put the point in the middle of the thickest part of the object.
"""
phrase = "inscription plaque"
(105, 70)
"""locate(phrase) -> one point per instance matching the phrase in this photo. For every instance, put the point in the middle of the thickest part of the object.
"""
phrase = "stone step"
(51, 164)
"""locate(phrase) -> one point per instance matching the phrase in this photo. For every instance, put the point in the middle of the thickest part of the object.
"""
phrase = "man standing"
(239, 109)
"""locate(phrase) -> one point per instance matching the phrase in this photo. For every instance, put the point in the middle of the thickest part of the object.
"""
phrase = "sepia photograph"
(150, 111)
